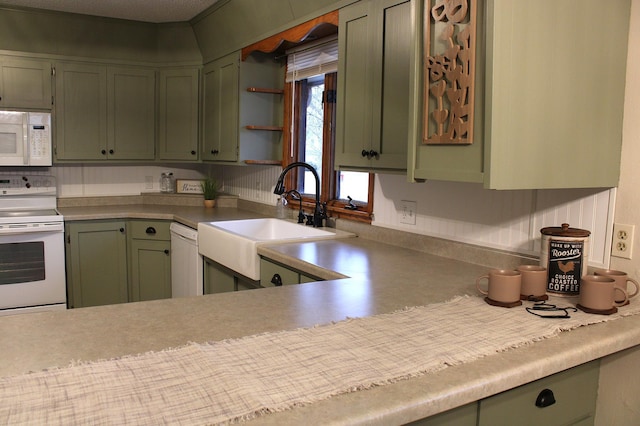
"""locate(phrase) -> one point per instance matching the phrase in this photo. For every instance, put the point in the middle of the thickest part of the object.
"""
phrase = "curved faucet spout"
(319, 212)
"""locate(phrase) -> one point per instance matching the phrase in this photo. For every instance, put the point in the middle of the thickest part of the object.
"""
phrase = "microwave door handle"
(26, 155)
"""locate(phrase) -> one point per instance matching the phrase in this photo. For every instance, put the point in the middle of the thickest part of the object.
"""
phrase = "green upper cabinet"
(81, 112)
(220, 109)
(105, 112)
(549, 97)
(131, 107)
(376, 40)
(25, 83)
(242, 124)
(178, 114)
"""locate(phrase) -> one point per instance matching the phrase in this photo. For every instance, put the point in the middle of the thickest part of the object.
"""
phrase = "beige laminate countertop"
(382, 278)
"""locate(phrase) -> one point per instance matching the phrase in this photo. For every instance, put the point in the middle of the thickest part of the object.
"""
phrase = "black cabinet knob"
(122, 230)
(193, 153)
(365, 153)
(103, 152)
(545, 398)
(150, 230)
(276, 280)
(110, 151)
(166, 251)
(373, 154)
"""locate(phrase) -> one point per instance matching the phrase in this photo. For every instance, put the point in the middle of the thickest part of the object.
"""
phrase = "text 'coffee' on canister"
(564, 252)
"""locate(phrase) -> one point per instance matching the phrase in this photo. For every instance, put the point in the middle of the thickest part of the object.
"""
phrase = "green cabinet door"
(96, 256)
(131, 106)
(220, 109)
(81, 112)
(25, 83)
(376, 44)
(217, 278)
(178, 114)
(149, 260)
(273, 274)
(150, 266)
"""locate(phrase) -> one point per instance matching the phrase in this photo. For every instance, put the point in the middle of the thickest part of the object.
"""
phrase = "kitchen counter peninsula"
(382, 278)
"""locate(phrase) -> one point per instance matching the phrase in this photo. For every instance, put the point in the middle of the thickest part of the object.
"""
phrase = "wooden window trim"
(335, 207)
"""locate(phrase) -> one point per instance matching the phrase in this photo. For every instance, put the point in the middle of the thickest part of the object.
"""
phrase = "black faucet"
(296, 196)
(319, 212)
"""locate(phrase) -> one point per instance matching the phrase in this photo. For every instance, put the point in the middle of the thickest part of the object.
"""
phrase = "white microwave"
(25, 138)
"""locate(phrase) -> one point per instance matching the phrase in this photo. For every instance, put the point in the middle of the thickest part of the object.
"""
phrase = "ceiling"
(137, 10)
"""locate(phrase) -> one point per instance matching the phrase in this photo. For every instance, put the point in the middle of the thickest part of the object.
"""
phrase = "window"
(310, 95)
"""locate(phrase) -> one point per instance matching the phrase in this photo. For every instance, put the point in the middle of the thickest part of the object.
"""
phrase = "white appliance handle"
(14, 230)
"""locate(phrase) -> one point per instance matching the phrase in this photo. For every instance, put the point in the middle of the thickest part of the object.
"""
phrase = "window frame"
(291, 153)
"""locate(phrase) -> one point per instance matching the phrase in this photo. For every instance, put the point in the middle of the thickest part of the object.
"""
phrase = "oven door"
(32, 268)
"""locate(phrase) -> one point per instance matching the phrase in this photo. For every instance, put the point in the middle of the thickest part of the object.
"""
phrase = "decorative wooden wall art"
(449, 70)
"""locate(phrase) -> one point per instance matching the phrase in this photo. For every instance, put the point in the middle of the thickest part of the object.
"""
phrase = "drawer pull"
(545, 398)
(151, 230)
(276, 280)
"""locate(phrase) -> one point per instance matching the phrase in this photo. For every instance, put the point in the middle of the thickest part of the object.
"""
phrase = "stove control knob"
(28, 185)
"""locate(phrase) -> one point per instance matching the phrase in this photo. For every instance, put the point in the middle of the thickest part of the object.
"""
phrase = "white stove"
(32, 265)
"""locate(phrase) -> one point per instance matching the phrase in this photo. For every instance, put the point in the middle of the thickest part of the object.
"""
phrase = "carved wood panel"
(449, 71)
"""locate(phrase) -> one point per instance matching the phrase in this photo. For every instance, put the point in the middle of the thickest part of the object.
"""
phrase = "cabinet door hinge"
(330, 96)
(53, 71)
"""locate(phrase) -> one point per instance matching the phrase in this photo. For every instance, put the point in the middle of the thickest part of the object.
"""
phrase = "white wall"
(618, 396)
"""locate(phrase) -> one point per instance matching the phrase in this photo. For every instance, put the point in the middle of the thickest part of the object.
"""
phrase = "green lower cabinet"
(273, 274)
(96, 256)
(220, 279)
(149, 260)
(117, 261)
(574, 392)
(565, 398)
(467, 415)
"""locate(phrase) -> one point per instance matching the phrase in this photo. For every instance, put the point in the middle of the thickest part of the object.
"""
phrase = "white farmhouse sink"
(234, 243)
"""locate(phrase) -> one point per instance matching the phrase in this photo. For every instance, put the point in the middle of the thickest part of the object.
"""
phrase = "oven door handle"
(29, 229)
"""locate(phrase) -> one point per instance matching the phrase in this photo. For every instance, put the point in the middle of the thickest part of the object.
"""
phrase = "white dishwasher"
(186, 263)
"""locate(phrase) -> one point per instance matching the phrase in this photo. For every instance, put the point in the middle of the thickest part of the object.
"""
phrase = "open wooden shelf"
(269, 128)
(264, 162)
(265, 90)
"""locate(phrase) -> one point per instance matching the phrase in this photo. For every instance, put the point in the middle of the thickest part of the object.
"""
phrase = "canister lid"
(565, 231)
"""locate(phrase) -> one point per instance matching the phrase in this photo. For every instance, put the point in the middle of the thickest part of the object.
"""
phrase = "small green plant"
(210, 188)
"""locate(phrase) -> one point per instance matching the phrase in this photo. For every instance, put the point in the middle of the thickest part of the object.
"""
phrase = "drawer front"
(150, 230)
(574, 391)
(269, 269)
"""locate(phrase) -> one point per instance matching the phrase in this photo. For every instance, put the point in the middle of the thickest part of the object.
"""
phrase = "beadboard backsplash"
(504, 220)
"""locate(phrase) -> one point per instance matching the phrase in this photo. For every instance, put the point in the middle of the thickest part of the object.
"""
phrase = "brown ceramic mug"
(503, 285)
(600, 293)
(534, 281)
(622, 280)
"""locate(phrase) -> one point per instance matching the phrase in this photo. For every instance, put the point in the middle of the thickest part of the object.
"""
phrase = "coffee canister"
(564, 252)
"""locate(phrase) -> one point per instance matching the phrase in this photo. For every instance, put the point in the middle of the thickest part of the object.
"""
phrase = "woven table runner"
(232, 380)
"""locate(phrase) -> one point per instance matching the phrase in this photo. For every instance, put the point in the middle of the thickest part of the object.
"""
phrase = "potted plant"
(210, 191)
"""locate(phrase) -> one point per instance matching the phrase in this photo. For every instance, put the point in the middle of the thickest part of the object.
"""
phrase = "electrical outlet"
(407, 212)
(622, 240)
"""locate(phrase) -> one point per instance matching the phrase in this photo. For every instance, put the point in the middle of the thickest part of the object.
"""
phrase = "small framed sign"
(184, 186)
